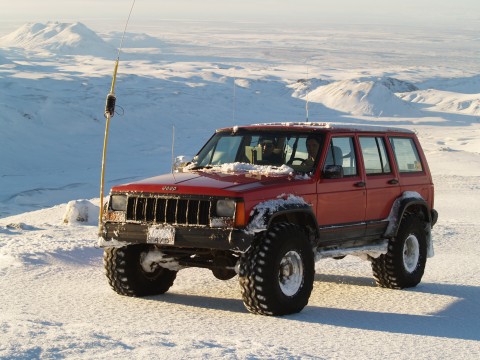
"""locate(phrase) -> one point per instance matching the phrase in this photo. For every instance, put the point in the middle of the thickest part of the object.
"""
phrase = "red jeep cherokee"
(265, 202)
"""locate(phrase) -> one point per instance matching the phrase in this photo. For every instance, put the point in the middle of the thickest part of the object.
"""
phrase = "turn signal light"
(240, 220)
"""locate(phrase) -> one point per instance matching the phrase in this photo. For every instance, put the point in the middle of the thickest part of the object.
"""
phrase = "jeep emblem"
(169, 188)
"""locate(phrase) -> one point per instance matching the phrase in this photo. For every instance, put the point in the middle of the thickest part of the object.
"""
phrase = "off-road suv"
(265, 202)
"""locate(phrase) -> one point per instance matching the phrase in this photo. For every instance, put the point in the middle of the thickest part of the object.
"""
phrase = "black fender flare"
(264, 216)
(411, 202)
(402, 205)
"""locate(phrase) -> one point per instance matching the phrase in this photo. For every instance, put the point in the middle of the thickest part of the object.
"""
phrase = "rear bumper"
(123, 234)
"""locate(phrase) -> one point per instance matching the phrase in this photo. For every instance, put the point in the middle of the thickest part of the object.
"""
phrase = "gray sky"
(449, 13)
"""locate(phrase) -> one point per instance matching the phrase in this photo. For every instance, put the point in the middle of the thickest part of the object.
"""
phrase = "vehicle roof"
(317, 126)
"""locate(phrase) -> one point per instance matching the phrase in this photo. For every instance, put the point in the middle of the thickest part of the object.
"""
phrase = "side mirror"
(180, 162)
(332, 172)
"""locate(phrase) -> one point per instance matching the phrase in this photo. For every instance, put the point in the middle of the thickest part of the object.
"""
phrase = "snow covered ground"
(55, 301)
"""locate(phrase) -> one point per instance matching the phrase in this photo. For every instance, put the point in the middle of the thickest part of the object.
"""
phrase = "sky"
(441, 13)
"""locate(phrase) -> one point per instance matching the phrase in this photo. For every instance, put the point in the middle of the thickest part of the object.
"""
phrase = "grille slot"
(158, 210)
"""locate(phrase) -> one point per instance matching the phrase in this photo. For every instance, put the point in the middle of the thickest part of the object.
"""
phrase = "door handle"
(393, 181)
(360, 184)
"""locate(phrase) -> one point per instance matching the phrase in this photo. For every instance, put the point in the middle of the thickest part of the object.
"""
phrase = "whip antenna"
(308, 90)
(234, 104)
(173, 148)
(109, 112)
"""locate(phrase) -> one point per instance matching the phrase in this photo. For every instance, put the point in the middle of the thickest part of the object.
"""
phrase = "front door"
(341, 201)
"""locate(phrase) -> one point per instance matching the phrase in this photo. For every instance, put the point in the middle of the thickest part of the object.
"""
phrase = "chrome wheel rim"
(150, 270)
(411, 253)
(290, 276)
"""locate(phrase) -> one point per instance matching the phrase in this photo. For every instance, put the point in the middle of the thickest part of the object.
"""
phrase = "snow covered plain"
(55, 301)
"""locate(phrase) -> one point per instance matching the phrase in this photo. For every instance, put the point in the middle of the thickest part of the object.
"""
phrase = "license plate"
(161, 234)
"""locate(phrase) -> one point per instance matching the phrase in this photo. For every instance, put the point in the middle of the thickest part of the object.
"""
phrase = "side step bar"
(363, 251)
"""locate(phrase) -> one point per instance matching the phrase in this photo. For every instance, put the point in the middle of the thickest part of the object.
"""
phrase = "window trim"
(415, 152)
(353, 148)
(379, 153)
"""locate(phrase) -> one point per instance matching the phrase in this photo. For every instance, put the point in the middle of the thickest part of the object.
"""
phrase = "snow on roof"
(322, 126)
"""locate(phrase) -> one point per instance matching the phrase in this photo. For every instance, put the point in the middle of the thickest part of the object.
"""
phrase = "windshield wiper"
(200, 167)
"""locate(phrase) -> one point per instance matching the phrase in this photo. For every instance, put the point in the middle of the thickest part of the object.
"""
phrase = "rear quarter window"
(406, 154)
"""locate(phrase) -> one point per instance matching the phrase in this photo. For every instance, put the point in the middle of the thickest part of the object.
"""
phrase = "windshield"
(297, 150)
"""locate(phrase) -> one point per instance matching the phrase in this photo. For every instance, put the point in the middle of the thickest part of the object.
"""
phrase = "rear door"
(412, 166)
(382, 183)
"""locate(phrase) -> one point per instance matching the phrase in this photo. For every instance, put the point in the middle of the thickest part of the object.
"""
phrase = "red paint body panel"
(334, 201)
(253, 189)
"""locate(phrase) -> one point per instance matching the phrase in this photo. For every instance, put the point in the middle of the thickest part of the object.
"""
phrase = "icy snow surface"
(55, 301)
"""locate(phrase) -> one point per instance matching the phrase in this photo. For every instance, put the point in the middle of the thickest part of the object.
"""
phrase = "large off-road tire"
(276, 273)
(127, 276)
(404, 263)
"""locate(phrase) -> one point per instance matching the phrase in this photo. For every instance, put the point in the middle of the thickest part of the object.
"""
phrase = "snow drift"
(81, 211)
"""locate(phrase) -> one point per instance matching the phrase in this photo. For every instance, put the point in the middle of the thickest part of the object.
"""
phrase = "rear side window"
(406, 154)
(375, 155)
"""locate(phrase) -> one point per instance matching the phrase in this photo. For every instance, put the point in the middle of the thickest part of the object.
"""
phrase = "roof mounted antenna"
(173, 148)
(308, 91)
(234, 104)
(109, 112)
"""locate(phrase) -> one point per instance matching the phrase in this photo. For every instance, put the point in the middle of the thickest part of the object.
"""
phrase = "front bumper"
(123, 234)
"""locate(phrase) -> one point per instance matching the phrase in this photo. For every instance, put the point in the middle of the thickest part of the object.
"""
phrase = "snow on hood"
(237, 167)
(228, 178)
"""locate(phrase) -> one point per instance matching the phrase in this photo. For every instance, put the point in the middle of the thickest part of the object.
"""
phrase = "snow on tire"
(127, 276)
(404, 263)
(276, 274)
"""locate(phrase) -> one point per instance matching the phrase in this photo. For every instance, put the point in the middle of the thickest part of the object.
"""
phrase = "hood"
(204, 183)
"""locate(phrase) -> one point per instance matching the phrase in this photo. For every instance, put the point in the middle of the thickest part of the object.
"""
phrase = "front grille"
(158, 210)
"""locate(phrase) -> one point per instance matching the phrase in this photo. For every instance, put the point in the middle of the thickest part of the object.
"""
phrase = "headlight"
(225, 208)
(118, 202)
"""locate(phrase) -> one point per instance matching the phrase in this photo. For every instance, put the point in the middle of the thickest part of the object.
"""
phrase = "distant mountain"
(394, 85)
(58, 38)
(366, 96)
(136, 40)
(303, 86)
(446, 101)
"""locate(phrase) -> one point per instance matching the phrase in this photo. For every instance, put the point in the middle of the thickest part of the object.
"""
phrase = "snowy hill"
(58, 38)
(446, 101)
(366, 96)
